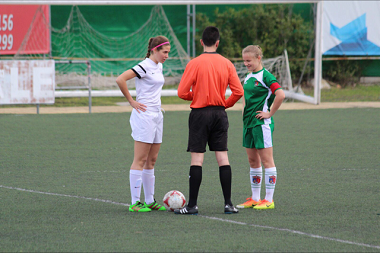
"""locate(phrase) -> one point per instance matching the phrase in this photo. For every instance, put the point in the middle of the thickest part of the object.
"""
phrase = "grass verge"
(359, 93)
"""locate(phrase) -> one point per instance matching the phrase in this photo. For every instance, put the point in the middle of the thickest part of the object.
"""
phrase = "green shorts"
(258, 137)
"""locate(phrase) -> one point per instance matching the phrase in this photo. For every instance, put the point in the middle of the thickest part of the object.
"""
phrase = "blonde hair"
(253, 49)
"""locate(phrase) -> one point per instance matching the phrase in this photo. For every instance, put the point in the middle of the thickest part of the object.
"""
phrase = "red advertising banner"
(24, 29)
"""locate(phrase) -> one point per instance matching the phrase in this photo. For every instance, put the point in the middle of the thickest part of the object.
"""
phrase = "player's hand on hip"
(263, 115)
(138, 106)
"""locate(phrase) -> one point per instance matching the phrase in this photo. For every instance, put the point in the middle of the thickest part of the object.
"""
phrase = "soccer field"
(64, 186)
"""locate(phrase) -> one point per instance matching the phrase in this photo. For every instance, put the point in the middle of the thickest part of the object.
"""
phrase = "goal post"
(279, 67)
(110, 56)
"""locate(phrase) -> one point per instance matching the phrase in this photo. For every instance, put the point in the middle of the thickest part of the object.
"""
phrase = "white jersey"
(149, 82)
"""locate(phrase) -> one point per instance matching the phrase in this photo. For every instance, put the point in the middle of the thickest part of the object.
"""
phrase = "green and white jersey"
(259, 88)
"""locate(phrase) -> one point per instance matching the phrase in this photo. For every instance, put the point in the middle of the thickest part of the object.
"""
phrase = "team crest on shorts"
(256, 179)
(272, 179)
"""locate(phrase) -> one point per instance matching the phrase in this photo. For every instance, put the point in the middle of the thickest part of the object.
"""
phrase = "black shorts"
(208, 125)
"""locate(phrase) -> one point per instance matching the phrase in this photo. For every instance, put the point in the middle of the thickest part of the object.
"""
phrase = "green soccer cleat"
(154, 206)
(265, 204)
(139, 207)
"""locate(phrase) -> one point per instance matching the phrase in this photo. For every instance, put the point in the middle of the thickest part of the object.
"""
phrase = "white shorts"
(147, 126)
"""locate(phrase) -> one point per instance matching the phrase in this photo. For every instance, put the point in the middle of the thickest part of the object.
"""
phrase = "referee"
(204, 82)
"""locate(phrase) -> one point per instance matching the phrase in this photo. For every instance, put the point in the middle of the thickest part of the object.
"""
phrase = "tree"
(273, 26)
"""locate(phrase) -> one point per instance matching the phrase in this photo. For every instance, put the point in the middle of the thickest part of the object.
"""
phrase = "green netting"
(109, 55)
(113, 55)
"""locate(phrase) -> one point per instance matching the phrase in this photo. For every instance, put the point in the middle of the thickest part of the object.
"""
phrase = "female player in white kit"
(146, 121)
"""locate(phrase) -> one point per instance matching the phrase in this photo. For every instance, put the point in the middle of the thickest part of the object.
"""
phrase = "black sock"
(225, 176)
(195, 180)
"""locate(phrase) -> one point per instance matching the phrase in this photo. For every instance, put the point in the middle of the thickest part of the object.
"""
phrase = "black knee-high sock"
(195, 180)
(225, 176)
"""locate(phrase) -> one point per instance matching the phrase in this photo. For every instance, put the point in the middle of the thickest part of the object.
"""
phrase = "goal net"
(279, 67)
(109, 56)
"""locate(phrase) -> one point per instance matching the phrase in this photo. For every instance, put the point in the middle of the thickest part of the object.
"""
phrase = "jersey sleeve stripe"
(137, 74)
(142, 68)
(274, 87)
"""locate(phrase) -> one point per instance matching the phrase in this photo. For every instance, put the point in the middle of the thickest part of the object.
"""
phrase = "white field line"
(294, 232)
(64, 195)
(80, 172)
(207, 217)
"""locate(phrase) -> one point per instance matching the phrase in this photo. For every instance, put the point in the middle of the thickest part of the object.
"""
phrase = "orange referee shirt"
(208, 76)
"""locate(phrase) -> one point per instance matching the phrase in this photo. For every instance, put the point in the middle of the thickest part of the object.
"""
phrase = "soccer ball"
(174, 199)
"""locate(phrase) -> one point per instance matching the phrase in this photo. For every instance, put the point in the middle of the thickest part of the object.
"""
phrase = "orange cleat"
(250, 203)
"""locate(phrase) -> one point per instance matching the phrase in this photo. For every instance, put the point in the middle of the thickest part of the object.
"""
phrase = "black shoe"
(187, 210)
(228, 209)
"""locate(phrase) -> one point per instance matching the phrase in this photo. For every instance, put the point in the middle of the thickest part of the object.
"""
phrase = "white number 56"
(7, 22)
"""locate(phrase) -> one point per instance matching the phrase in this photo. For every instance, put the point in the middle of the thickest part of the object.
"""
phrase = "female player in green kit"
(261, 91)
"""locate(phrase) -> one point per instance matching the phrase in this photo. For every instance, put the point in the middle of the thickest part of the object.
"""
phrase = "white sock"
(270, 182)
(135, 185)
(255, 177)
(148, 180)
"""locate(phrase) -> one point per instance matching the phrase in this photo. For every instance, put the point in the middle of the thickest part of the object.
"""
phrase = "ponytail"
(149, 48)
